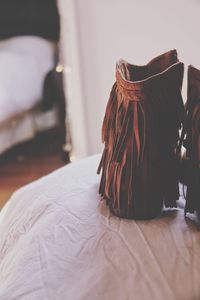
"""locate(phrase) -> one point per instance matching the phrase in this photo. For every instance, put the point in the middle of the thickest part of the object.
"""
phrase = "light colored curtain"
(76, 139)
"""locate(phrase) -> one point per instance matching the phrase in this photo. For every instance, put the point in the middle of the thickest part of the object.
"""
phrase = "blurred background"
(32, 100)
(57, 67)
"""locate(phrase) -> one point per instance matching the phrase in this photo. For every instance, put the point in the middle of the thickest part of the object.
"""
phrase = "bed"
(59, 241)
(29, 35)
(24, 64)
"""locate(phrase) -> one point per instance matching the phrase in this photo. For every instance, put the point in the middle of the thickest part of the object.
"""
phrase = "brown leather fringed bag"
(140, 132)
(192, 142)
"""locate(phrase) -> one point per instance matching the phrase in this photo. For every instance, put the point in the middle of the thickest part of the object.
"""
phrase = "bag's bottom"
(135, 215)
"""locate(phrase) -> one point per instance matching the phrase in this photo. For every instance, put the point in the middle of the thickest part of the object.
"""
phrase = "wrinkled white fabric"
(58, 241)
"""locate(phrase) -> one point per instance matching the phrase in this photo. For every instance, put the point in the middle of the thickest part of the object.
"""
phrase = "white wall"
(106, 30)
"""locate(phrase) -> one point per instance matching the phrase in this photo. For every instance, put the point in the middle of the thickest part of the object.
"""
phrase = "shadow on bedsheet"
(168, 216)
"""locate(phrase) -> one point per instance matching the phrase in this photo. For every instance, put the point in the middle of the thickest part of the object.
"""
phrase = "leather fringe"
(192, 142)
(138, 164)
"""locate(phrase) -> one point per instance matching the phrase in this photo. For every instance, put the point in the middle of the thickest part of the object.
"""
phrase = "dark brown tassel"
(192, 142)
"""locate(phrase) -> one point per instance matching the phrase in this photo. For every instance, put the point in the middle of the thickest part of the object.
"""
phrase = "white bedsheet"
(24, 62)
(59, 242)
(25, 126)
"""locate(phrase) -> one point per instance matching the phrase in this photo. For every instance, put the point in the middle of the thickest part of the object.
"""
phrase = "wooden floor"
(28, 162)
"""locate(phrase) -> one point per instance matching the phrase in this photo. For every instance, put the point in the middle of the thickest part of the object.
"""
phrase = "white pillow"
(24, 62)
